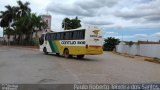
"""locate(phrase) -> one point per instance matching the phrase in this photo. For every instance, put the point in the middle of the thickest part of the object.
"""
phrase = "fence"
(149, 50)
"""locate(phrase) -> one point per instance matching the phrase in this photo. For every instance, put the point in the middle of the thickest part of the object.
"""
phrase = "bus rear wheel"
(66, 53)
(45, 50)
(80, 56)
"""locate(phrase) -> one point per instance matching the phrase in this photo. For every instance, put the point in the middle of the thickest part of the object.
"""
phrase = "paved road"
(31, 66)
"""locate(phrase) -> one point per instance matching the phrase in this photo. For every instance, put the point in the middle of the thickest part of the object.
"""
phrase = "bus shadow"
(73, 58)
(83, 59)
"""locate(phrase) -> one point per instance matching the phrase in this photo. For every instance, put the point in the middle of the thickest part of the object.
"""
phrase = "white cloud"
(141, 36)
(136, 37)
(108, 34)
(156, 35)
(148, 12)
(118, 14)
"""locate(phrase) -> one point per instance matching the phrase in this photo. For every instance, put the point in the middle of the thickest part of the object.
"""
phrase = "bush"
(110, 44)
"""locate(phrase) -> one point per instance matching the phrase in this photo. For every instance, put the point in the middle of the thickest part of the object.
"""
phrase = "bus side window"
(58, 36)
(78, 35)
(46, 37)
(69, 37)
(62, 36)
(74, 34)
(53, 36)
(82, 34)
(66, 35)
(49, 36)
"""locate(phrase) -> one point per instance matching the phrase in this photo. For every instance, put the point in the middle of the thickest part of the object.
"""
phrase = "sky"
(128, 20)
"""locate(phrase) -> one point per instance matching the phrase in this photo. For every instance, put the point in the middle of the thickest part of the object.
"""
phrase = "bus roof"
(72, 30)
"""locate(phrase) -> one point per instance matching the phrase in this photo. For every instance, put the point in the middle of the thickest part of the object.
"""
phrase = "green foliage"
(21, 21)
(8, 31)
(110, 43)
(71, 23)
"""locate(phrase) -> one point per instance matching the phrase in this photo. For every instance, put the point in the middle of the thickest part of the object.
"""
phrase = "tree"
(7, 17)
(110, 43)
(71, 23)
(28, 24)
(37, 23)
(8, 31)
(24, 9)
(21, 21)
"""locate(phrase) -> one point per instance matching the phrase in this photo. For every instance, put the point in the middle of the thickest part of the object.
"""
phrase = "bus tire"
(70, 56)
(66, 53)
(57, 54)
(80, 56)
(45, 50)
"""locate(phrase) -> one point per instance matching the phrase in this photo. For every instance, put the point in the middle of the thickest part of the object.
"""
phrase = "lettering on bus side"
(68, 42)
(73, 42)
(95, 36)
(81, 42)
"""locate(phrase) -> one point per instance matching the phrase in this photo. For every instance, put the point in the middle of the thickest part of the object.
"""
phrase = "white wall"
(150, 50)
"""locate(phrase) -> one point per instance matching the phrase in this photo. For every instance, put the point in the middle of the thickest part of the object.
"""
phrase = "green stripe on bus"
(51, 45)
(55, 47)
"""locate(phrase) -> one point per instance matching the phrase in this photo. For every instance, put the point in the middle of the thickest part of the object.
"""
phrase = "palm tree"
(29, 24)
(7, 18)
(24, 9)
(8, 31)
(21, 21)
(38, 23)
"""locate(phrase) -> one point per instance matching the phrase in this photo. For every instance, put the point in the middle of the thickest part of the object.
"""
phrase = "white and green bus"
(75, 42)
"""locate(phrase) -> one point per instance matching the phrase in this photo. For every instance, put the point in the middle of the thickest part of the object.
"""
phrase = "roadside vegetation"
(21, 23)
(110, 44)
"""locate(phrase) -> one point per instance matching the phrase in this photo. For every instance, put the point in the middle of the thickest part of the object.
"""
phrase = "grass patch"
(155, 60)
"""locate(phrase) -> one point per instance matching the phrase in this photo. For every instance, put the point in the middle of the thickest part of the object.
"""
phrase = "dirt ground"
(30, 66)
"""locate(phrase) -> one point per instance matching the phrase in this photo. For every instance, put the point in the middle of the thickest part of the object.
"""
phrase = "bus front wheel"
(45, 50)
(57, 54)
(80, 56)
